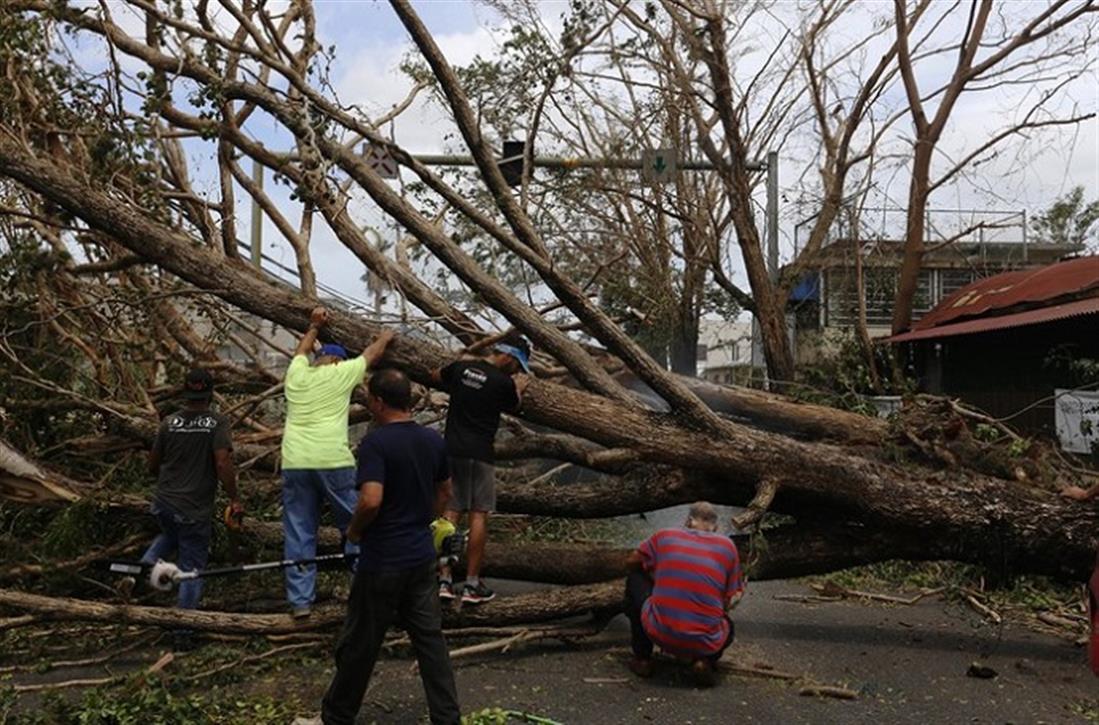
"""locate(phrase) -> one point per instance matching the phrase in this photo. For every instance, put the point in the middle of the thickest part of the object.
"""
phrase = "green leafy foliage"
(1074, 369)
(145, 700)
(500, 716)
(1022, 594)
(841, 378)
(1070, 220)
(7, 703)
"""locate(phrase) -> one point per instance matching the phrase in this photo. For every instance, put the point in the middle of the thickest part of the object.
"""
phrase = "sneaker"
(302, 612)
(704, 673)
(446, 591)
(477, 595)
(642, 667)
(308, 721)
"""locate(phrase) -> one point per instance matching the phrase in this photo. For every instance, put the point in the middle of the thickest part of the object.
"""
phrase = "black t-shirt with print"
(479, 392)
(186, 442)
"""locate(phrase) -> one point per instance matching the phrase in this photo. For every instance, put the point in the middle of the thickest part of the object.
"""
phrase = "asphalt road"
(908, 664)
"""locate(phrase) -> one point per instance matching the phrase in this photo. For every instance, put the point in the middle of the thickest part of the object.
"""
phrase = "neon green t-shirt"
(317, 404)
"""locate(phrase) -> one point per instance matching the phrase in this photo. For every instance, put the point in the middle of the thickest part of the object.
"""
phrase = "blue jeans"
(191, 539)
(302, 492)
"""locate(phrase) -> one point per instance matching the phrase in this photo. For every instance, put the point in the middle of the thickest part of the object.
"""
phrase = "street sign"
(659, 166)
(381, 161)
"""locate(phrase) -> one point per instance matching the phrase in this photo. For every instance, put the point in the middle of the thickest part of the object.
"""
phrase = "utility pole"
(654, 168)
(567, 163)
(772, 214)
(257, 217)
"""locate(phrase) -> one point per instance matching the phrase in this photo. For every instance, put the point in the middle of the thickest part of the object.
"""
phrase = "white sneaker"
(308, 721)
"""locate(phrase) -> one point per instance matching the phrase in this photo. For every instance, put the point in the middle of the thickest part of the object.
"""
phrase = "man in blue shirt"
(404, 484)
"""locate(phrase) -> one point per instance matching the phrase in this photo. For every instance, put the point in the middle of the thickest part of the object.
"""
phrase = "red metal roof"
(1089, 306)
(1009, 289)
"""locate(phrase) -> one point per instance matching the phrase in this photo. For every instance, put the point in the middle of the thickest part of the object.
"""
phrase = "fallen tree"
(598, 599)
(858, 490)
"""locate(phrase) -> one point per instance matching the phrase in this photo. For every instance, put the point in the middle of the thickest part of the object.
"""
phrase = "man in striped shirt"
(682, 584)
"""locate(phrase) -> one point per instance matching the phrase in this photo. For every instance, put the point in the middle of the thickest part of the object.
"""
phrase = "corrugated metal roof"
(1019, 319)
(1009, 289)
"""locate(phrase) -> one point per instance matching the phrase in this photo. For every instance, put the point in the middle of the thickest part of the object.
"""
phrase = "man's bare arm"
(374, 351)
(317, 319)
(1080, 494)
(366, 510)
(522, 381)
(443, 492)
(227, 473)
(634, 561)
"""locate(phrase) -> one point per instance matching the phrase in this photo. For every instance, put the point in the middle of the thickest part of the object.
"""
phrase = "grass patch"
(145, 700)
(1088, 710)
(1027, 595)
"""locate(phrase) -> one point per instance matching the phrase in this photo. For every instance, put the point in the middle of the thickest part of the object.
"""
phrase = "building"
(1007, 343)
(962, 246)
(724, 351)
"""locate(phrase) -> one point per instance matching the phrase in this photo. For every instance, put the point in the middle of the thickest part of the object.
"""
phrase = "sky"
(370, 43)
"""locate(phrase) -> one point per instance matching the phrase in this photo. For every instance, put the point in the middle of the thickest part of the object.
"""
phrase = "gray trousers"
(410, 598)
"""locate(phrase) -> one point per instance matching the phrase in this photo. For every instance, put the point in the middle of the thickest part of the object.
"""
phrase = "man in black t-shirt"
(480, 390)
(404, 484)
(192, 452)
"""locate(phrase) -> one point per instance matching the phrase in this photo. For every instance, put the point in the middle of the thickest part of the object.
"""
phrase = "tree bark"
(683, 350)
(541, 606)
(22, 481)
(908, 277)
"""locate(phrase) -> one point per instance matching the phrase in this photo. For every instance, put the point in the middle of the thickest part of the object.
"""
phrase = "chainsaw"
(163, 575)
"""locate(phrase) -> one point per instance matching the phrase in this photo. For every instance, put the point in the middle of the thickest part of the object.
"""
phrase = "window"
(881, 288)
(952, 280)
(703, 353)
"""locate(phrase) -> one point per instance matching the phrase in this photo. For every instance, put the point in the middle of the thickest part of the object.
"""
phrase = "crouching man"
(682, 585)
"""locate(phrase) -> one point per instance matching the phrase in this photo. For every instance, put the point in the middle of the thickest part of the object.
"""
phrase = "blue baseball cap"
(516, 353)
(333, 350)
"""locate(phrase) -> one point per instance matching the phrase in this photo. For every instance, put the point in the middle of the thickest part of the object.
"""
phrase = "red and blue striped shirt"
(695, 573)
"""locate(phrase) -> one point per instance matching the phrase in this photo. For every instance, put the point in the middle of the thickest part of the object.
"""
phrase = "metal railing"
(980, 228)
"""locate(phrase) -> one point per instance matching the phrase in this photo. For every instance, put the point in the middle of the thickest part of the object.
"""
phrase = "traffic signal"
(511, 165)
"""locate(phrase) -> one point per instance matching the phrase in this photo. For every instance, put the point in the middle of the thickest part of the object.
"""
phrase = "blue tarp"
(808, 288)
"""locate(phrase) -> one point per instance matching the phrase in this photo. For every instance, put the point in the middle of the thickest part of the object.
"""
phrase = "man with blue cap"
(317, 463)
(480, 390)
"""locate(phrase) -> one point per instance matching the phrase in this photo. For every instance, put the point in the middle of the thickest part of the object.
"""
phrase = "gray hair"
(702, 516)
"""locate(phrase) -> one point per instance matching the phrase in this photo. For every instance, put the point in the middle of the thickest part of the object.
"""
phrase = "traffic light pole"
(567, 162)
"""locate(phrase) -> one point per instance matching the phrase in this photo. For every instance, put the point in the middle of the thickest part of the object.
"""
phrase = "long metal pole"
(564, 162)
(257, 217)
(772, 214)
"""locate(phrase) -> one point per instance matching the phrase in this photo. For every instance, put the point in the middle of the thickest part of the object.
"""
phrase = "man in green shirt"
(316, 456)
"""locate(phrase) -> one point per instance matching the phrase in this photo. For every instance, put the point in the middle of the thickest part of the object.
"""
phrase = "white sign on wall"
(1076, 414)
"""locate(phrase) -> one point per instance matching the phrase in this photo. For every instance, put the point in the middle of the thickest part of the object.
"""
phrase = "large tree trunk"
(978, 516)
(683, 349)
(541, 606)
(908, 277)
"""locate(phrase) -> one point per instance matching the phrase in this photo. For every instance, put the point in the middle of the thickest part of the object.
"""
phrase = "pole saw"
(163, 575)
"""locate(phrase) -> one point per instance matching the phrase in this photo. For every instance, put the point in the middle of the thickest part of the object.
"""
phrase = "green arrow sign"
(659, 166)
